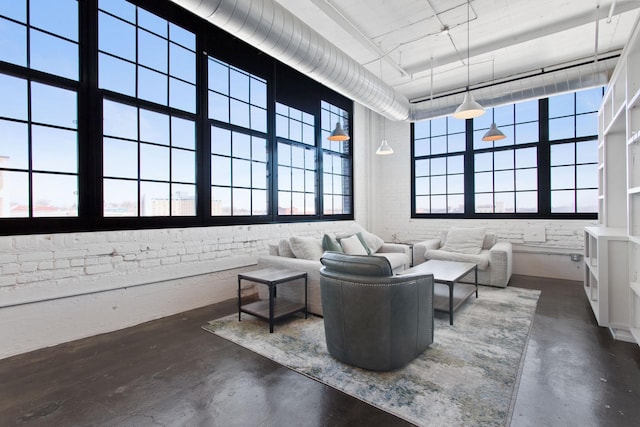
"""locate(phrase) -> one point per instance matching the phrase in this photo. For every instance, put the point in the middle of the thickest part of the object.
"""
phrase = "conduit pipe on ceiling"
(271, 28)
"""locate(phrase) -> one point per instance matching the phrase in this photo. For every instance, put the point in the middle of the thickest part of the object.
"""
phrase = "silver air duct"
(542, 85)
(271, 28)
(276, 31)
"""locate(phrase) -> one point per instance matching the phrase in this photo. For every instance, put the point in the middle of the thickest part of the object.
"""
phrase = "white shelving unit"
(612, 248)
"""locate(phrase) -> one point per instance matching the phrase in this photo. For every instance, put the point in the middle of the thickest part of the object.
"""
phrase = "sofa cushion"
(359, 236)
(373, 242)
(353, 246)
(481, 259)
(331, 244)
(284, 249)
(359, 265)
(306, 247)
(490, 239)
(464, 240)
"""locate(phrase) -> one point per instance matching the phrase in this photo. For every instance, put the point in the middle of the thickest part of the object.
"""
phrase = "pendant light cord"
(468, 47)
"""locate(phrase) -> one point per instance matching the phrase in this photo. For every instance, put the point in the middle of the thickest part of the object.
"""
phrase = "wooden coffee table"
(448, 273)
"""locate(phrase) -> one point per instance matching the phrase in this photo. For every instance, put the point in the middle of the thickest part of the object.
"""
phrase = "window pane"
(54, 150)
(53, 106)
(562, 201)
(116, 37)
(120, 120)
(562, 177)
(561, 105)
(120, 198)
(587, 124)
(154, 163)
(15, 192)
(220, 201)
(587, 200)
(504, 202)
(562, 128)
(587, 176)
(587, 152)
(154, 199)
(527, 202)
(183, 200)
(220, 170)
(563, 154)
(152, 86)
(14, 145)
(183, 166)
(588, 100)
(55, 195)
(53, 55)
(117, 75)
(526, 179)
(183, 133)
(504, 180)
(13, 39)
(154, 127)
(182, 95)
(120, 159)
(182, 63)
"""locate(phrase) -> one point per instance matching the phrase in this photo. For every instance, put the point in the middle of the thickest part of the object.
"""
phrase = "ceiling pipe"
(271, 28)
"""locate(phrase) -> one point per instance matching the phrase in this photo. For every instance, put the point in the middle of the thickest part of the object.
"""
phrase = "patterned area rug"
(467, 377)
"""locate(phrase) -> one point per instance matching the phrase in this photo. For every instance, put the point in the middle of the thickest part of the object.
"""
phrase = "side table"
(274, 308)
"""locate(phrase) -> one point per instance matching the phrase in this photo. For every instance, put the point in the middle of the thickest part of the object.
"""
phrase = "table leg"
(272, 292)
(476, 281)
(306, 302)
(239, 301)
(451, 302)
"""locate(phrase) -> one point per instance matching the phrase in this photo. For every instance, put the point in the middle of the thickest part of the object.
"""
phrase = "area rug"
(467, 377)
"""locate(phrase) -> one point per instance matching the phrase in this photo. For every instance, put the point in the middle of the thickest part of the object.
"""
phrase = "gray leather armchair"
(373, 319)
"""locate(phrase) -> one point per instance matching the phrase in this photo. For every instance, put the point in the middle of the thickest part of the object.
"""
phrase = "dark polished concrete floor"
(170, 372)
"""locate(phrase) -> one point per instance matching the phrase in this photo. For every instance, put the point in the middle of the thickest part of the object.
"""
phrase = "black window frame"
(284, 83)
(543, 146)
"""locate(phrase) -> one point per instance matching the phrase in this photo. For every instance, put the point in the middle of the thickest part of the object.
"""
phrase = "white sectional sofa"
(303, 254)
(494, 258)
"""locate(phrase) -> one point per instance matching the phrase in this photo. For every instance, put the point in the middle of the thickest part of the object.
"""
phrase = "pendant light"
(469, 107)
(493, 134)
(384, 149)
(338, 134)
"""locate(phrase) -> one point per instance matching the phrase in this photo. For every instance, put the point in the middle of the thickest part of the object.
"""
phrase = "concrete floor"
(170, 372)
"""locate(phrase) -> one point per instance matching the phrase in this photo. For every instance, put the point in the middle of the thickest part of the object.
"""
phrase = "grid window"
(149, 162)
(144, 56)
(546, 165)
(439, 147)
(237, 97)
(574, 151)
(297, 166)
(238, 119)
(238, 173)
(38, 149)
(337, 175)
(41, 34)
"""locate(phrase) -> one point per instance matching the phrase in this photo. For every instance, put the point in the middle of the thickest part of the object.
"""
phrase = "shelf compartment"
(634, 310)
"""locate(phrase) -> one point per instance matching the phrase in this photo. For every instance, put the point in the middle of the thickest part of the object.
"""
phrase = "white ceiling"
(515, 36)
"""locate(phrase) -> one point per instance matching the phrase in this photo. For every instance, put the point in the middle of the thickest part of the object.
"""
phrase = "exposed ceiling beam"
(332, 12)
(564, 25)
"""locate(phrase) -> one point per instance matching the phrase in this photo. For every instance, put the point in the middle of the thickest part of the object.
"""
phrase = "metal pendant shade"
(469, 107)
(338, 134)
(384, 149)
(493, 134)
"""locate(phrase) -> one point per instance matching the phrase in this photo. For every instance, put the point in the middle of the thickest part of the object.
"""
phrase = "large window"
(39, 109)
(238, 117)
(149, 154)
(545, 167)
(297, 165)
(138, 114)
(336, 163)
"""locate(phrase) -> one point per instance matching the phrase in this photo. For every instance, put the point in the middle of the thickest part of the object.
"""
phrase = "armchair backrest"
(358, 265)
(490, 239)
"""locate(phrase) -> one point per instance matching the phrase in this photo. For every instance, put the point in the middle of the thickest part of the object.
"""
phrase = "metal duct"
(543, 85)
(271, 28)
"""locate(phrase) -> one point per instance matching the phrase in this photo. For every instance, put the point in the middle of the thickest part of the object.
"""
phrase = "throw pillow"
(373, 242)
(330, 244)
(353, 246)
(464, 240)
(306, 247)
(284, 249)
(359, 237)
